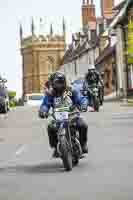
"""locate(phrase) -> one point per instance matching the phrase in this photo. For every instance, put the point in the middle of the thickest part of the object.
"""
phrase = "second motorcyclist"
(56, 97)
(93, 78)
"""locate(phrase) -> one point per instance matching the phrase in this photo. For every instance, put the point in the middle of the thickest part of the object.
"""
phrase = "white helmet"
(91, 67)
(72, 81)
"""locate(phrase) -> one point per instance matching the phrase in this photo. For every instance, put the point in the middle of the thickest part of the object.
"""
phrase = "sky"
(14, 12)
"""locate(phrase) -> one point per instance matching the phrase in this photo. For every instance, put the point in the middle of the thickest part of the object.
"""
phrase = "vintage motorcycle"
(93, 94)
(68, 147)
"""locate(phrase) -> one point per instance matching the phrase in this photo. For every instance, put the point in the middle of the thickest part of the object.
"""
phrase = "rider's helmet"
(51, 76)
(59, 83)
(91, 68)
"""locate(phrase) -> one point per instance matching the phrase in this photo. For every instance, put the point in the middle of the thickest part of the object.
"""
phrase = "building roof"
(122, 12)
(99, 19)
(80, 49)
(68, 54)
(117, 19)
(120, 5)
(105, 53)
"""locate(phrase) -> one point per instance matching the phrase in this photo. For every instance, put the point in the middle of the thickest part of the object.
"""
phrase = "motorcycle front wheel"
(66, 154)
(96, 104)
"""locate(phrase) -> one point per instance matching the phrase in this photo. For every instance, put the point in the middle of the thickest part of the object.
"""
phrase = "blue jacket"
(76, 99)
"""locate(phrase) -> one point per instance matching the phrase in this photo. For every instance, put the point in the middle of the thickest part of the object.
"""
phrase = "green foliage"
(13, 103)
(11, 94)
(12, 100)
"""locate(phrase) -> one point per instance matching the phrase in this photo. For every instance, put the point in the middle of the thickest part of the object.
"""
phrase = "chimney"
(107, 8)
(88, 13)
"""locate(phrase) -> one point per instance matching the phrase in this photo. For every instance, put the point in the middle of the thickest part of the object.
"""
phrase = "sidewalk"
(110, 98)
(113, 98)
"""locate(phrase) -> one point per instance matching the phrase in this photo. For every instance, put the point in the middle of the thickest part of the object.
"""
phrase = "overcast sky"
(16, 11)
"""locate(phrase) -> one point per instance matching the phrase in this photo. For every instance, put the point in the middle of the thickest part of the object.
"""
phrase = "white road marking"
(11, 162)
(122, 113)
(3, 116)
(20, 150)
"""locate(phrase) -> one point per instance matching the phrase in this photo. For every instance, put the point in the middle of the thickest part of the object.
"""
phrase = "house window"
(93, 35)
(113, 74)
(50, 65)
(107, 78)
(130, 77)
(75, 67)
(101, 28)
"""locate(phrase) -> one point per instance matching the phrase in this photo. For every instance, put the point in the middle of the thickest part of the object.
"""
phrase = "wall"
(108, 66)
(40, 59)
(79, 66)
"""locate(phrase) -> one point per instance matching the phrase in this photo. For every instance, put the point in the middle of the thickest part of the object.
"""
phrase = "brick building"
(91, 46)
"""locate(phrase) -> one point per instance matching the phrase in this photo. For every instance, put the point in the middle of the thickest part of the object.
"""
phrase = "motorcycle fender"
(62, 132)
(60, 137)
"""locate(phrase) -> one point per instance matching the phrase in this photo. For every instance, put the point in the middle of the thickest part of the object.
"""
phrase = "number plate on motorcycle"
(61, 116)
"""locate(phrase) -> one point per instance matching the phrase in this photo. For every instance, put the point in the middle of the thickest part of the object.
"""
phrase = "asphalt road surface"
(28, 171)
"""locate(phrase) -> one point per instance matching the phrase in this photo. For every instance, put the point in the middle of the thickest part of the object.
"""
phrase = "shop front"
(123, 24)
(129, 42)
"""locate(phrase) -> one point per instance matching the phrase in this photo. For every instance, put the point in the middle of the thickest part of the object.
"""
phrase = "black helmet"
(59, 82)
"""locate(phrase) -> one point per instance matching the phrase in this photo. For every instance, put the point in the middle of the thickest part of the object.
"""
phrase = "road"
(28, 171)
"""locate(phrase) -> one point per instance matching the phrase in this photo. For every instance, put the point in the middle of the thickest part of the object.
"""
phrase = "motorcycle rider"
(55, 98)
(93, 77)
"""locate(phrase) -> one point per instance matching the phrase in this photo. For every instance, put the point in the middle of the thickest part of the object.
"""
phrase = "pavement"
(110, 97)
(113, 98)
(28, 171)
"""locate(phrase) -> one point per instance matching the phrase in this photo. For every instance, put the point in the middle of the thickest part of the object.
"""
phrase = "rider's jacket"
(69, 98)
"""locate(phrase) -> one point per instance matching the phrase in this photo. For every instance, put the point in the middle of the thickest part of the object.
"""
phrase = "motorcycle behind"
(93, 95)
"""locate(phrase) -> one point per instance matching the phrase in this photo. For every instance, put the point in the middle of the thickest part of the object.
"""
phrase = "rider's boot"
(85, 148)
(55, 153)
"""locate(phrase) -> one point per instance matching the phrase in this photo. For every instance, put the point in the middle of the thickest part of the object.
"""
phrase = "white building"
(78, 57)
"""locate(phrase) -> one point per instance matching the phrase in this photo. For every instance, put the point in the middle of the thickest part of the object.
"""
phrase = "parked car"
(34, 99)
(4, 100)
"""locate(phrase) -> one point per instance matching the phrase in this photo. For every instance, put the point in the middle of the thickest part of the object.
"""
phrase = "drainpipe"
(125, 71)
(120, 64)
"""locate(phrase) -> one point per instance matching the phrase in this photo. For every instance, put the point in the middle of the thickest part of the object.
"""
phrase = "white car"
(34, 99)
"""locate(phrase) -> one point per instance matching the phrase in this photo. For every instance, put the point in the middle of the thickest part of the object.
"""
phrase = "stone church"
(41, 55)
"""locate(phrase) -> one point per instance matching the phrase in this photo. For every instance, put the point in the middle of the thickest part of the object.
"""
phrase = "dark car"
(4, 100)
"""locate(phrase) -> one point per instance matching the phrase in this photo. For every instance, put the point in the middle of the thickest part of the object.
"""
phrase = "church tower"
(88, 13)
(107, 8)
(41, 56)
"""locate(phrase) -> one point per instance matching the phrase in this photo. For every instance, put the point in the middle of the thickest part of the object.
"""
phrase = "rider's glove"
(43, 115)
(85, 92)
(84, 108)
